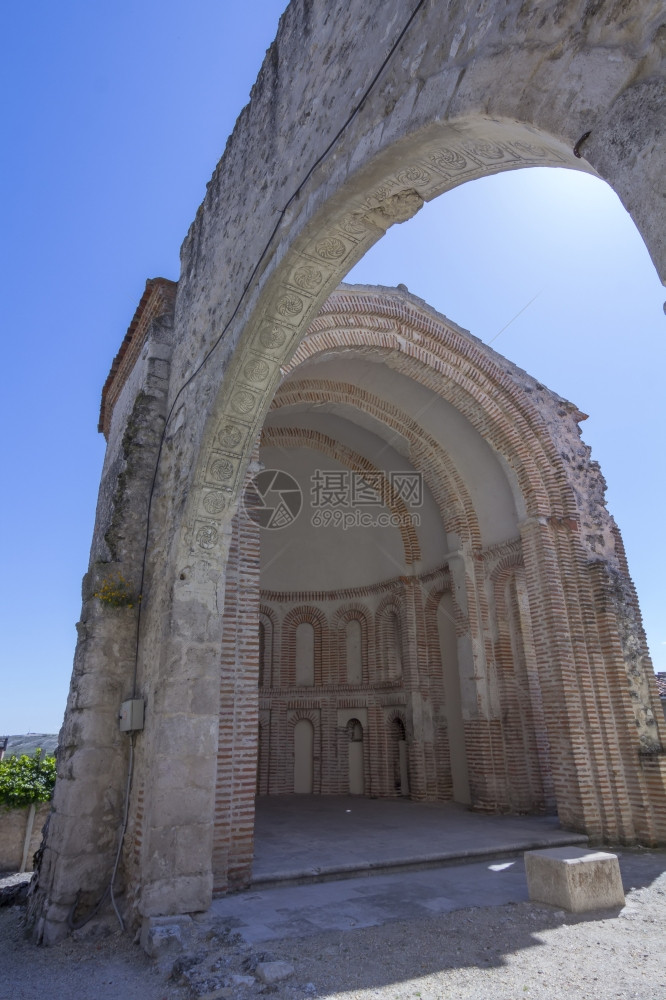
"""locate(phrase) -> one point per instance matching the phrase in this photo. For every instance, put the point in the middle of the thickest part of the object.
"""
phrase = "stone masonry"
(360, 115)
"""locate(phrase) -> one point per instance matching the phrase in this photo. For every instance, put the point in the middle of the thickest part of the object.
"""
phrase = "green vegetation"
(26, 780)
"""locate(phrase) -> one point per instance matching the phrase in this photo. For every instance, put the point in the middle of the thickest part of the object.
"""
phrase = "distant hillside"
(17, 745)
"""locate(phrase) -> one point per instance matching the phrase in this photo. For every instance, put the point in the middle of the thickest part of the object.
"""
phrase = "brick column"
(563, 698)
(235, 787)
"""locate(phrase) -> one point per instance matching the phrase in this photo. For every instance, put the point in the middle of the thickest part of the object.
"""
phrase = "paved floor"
(312, 836)
(302, 910)
(393, 859)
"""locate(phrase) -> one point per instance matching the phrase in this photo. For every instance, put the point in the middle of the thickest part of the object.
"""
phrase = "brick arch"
(552, 535)
(446, 485)
(445, 482)
(296, 437)
(310, 715)
(432, 352)
(396, 715)
(272, 643)
(391, 766)
(387, 609)
(295, 617)
(431, 605)
(419, 102)
(339, 622)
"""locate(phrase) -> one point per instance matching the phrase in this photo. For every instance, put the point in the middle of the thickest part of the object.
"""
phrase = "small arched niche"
(355, 758)
(305, 655)
(303, 757)
(354, 651)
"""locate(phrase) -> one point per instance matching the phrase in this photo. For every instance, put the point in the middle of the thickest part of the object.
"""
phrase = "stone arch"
(463, 92)
(278, 329)
(254, 372)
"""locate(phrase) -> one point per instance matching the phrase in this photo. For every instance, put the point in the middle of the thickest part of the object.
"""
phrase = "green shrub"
(26, 780)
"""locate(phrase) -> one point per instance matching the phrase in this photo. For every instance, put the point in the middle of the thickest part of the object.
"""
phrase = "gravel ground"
(499, 953)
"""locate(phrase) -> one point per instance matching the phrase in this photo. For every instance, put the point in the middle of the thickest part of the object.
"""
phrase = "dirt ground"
(498, 953)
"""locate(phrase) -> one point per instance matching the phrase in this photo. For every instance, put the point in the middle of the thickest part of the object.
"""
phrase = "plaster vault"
(358, 116)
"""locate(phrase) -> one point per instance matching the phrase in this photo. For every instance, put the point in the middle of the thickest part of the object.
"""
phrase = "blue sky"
(115, 116)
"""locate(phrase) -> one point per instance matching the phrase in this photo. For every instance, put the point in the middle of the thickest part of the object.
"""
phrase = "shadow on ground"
(413, 943)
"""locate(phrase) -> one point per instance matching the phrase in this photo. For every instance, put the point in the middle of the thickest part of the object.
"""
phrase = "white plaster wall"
(304, 557)
(480, 467)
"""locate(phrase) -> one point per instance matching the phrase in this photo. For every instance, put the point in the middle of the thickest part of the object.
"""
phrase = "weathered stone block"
(161, 936)
(274, 972)
(179, 806)
(51, 931)
(185, 846)
(189, 893)
(239, 980)
(574, 879)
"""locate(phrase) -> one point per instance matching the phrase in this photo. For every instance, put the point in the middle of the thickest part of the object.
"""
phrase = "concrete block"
(574, 879)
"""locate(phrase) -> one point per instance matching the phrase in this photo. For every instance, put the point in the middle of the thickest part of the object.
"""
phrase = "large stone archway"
(355, 120)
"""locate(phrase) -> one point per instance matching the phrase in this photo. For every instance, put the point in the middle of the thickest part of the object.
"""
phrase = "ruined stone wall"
(336, 146)
(93, 755)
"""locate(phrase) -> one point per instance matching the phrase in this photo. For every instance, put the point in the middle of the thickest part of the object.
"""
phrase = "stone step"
(440, 859)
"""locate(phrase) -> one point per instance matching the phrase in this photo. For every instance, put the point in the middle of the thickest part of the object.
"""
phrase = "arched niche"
(354, 651)
(305, 654)
(355, 757)
(303, 757)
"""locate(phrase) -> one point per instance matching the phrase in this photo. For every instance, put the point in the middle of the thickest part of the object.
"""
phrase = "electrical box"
(131, 715)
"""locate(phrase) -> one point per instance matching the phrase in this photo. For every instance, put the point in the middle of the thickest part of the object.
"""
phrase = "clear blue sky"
(115, 116)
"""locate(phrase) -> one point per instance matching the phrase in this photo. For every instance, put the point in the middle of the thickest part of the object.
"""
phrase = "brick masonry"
(515, 757)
